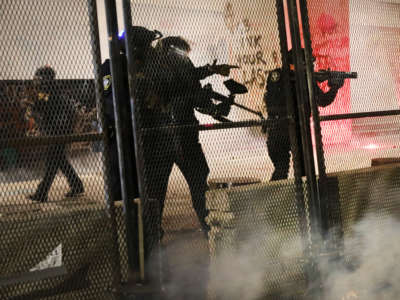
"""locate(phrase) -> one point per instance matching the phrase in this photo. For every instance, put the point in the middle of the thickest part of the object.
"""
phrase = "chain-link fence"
(224, 229)
(360, 139)
(58, 238)
(240, 155)
(259, 178)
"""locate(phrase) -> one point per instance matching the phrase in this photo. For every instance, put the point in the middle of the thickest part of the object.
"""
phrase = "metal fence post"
(308, 155)
(121, 117)
(153, 287)
(324, 183)
(294, 139)
(98, 83)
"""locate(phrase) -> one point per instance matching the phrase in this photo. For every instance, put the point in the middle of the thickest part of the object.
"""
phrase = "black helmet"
(45, 73)
(175, 42)
(142, 37)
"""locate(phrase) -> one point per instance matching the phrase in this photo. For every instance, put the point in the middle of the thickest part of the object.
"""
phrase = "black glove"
(336, 83)
(224, 108)
(223, 69)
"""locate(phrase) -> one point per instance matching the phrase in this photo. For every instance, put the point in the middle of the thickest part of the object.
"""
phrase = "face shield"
(175, 46)
(178, 51)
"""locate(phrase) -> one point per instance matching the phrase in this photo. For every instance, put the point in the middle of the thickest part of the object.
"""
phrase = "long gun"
(323, 75)
(234, 88)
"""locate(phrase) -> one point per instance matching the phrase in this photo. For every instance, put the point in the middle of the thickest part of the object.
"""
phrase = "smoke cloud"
(369, 270)
(263, 261)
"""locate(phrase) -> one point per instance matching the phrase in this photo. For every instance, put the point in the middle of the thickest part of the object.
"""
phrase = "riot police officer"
(278, 142)
(109, 122)
(147, 112)
(187, 97)
(181, 96)
(54, 113)
(157, 94)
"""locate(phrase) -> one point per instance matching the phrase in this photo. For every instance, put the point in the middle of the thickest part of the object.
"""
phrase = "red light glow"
(372, 146)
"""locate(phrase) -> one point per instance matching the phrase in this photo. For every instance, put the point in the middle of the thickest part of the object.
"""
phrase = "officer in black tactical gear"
(109, 122)
(188, 96)
(145, 62)
(181, 96)
(278, 142)
(54, 113)
(152, 89)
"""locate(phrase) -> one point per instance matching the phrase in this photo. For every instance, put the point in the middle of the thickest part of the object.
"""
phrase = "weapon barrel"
(222, 119)
(259, 114)
(325, 75)
(353, 75)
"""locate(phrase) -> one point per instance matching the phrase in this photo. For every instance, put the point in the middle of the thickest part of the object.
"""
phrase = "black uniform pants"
(193, 165)
(160, 154)
(114, 180)
(279, 149)
(56, 159)
(278, 144)
(114, 173)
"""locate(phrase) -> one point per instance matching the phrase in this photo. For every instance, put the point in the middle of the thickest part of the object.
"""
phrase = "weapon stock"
(235, 88)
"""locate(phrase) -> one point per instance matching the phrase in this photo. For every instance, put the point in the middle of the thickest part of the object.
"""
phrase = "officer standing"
(187, 97)
(163, 100)
(54, 113)
(109, 122)
(278, 142)
(184, 149)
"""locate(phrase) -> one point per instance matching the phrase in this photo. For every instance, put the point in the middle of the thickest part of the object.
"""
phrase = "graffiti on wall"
(253, 62)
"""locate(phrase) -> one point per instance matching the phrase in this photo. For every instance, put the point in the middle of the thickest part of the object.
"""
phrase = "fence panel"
(56, 229)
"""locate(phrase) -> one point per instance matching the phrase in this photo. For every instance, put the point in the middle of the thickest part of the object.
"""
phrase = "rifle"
(234, 88)
(323, 75)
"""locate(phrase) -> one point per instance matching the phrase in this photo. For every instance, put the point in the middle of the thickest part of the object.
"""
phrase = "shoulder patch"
(275, 76)
(106, 82)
